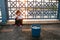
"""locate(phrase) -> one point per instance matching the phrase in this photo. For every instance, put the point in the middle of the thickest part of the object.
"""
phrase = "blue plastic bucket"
(36, 30)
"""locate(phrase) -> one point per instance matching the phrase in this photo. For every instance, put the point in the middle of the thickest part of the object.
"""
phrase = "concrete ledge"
(26, 30)
(36, 21)
(7, 30)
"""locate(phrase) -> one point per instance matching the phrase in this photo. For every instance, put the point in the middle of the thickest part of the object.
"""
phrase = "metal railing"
(34, 9)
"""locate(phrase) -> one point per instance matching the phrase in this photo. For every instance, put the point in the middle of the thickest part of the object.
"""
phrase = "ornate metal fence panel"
(35, 9)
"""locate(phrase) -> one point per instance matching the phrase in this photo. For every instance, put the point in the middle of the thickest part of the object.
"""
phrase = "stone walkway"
(17, 34)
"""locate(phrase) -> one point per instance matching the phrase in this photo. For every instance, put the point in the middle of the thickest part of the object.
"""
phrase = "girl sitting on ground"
(18, 18)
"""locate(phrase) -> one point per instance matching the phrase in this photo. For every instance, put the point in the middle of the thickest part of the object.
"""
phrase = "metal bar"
(4, 9)
(59, 10)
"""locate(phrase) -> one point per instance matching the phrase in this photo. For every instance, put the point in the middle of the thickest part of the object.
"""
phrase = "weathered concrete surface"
(48, 32)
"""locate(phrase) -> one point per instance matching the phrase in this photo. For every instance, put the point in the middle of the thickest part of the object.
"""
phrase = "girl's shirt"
(19, 17)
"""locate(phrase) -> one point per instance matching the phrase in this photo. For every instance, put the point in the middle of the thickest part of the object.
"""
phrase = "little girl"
(18, 18)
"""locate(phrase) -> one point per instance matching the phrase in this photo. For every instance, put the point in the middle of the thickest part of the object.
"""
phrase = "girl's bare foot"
(20, 25)
(15, 26)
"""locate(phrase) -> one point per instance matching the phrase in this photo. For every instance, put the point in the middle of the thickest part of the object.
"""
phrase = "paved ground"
(48, 32)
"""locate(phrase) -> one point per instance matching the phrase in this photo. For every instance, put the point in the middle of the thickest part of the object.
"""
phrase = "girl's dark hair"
(18, 12)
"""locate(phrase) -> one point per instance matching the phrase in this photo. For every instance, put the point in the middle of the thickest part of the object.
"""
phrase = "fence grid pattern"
(35, 9)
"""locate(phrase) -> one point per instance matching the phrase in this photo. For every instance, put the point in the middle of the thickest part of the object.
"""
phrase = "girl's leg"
(20, 22)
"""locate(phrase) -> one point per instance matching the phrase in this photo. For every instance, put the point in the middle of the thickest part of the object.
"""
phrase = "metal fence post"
(59, 10)
(4, 10)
